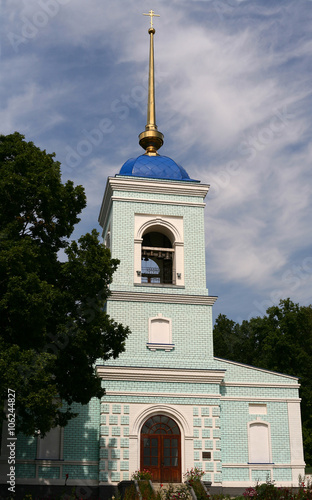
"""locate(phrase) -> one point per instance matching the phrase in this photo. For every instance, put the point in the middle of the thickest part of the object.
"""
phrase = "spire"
(151, 139)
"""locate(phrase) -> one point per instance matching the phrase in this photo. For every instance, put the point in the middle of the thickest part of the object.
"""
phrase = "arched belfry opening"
(158, 250)
(157, 258)
(161, 449)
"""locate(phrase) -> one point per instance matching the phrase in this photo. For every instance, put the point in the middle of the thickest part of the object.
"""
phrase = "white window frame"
(151, 344)
(251, 451)
(170, 226)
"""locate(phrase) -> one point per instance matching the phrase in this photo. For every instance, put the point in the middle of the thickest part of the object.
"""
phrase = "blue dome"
(155, 167)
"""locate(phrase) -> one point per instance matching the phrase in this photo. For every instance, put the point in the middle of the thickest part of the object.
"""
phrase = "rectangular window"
(49, 447)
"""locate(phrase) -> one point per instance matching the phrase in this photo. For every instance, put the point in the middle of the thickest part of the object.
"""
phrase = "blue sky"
(233, 100)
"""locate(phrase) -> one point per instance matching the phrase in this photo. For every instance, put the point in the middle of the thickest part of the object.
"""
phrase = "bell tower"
(152, 217)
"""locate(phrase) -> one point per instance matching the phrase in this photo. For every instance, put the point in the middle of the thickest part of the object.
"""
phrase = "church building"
(170, 405)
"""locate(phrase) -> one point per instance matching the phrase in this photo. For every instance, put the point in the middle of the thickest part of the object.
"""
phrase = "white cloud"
(233, 98)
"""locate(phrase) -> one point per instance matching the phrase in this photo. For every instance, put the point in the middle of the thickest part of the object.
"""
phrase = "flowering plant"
(250, 492)
(141, 475)
(193, 474)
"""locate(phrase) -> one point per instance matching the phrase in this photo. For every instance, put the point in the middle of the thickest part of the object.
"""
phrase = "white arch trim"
(172, 227)
(169, 411)
(160, 224)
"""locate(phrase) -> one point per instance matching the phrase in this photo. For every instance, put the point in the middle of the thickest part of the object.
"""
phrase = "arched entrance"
(161, 449)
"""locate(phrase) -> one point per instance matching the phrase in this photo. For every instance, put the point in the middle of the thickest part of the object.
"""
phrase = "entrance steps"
(165, 486)
(172, 487)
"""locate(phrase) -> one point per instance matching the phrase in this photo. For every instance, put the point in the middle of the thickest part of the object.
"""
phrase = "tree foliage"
(280, 341)
(52, 318)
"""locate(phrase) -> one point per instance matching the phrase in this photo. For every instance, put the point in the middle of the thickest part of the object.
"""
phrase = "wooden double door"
(161, 449)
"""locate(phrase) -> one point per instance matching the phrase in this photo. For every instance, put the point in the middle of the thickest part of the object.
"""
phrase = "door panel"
(162, 456)
(170, 471)
(150, 456)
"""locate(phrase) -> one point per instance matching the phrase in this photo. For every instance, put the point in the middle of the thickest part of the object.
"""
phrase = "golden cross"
(151, 14)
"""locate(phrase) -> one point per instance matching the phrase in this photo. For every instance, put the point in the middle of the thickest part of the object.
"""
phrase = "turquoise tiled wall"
(26, 446)
(234, 419)
(244, 373)
(235, 474)
(170, 387)
(191, 325)
(81, 471)
(81, 435)
(260, 476)
(122, 246)
(49, 472)
(25, 471)
(282, 475)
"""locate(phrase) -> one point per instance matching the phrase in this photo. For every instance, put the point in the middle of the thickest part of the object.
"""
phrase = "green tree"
(281, 341)
(52, 318)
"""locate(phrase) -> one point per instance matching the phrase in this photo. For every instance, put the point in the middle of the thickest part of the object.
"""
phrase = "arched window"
(160, 424)
(259, 443)
(157, 258)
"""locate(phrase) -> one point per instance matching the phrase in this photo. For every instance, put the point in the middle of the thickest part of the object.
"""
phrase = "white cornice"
(263, 370)
(261, 384)
(160, 375)
(106, 205)
(140, 185)
(262, 466)
(162, 202)
(163, 298)
(173, 395)
(252, 399)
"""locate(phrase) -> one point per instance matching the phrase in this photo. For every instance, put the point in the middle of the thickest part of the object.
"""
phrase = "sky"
(233, 100)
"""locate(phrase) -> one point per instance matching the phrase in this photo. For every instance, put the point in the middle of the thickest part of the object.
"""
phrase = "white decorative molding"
(295, 435)
(170, 226)
(157, 409)
(255, 398)
(161, 375)
(254, 368)
(160, 333)
(257, 466)
(154, 346)
(141, 185)
(172, 395)
(257, 409)
(163, 298)
(259, 443)
(261, 384)
(57, 482)
(157, 202)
